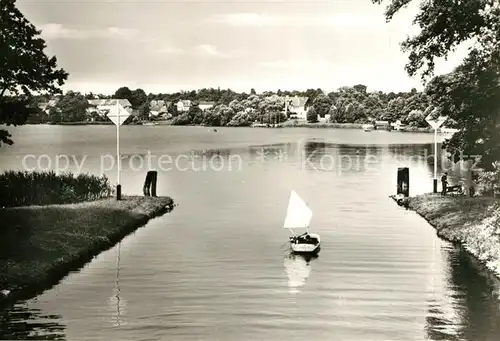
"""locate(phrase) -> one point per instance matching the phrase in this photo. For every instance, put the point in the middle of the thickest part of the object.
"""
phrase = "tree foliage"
(24, 67)
(72, 107)
(444, 25)
(470, 95)
(346, 105)
(137, 98)
(312, 115)
(322, 104)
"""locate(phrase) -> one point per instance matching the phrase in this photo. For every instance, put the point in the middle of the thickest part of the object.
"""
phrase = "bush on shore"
(48, 188)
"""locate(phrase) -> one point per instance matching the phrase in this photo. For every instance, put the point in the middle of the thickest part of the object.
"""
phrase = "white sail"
(298, 214)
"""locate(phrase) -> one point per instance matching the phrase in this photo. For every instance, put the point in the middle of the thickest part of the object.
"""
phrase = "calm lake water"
(217, 268)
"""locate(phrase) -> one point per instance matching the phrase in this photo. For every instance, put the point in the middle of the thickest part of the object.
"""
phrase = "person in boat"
(306, 238)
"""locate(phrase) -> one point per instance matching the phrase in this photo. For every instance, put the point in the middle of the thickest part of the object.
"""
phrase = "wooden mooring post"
(150, 184)
(403, 181)
(403, 188)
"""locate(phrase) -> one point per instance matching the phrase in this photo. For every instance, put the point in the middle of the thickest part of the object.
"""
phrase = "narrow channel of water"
(214, 268)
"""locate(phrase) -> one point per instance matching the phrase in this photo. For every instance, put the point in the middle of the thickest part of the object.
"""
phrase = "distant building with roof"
(158, 107)
(297, 106)
(204, 105)
(183, 105)
(46, 106)
(104, 106)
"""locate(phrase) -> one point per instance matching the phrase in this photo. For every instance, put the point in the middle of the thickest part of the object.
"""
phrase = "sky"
(168, 46)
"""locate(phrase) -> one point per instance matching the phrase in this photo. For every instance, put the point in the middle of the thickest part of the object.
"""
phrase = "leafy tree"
(137, 98)
(55, 116)
(241, 119)
(416, 118)
(322, 105)
(238, 106)
(394, 110)
(172, 110)
(445, 24)
(144, 111)
(72, 107)
(124, 93)
(24, 68)
(271, 109)
(195, 113)
(360, 88)
(470, 94)
(312, 115)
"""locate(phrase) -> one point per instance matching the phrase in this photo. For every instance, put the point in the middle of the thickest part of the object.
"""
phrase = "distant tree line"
(346, 105)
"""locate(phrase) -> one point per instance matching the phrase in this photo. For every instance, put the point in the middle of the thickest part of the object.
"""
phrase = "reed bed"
(18, 188)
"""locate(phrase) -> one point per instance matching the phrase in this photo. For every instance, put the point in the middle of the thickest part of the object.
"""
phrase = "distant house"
(325, 119)
(46, 106)
(398, 125)
(297, 106)
(158, 108)
(183, 105)
(382, 125)
(104, 106)
(204, 105)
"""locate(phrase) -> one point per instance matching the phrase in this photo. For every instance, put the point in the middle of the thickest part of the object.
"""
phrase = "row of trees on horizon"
(345, 105)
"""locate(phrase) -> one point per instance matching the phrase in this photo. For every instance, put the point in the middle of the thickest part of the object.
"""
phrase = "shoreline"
(58, 247)
(318, 125)
(470, 223)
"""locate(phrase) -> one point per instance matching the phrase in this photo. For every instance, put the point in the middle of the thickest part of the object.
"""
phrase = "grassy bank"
(42, 244)
(473, 223)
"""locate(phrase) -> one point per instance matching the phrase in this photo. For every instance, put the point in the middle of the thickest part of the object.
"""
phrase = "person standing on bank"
(444, 183)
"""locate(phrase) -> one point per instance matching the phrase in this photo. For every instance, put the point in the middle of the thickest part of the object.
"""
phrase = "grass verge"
(42, 244)
(473, 223)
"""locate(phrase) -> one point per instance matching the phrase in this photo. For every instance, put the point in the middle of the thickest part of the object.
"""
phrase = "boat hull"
(304, 247)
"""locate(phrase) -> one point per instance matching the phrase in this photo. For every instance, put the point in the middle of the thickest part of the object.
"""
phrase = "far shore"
(471, 223)
(43, 244)
(288, 124)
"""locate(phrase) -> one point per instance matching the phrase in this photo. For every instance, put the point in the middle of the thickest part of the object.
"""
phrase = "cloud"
(211, 50)
(299, 64)
(170, 50)
(244, 19)
(54, 31)
(255, 19)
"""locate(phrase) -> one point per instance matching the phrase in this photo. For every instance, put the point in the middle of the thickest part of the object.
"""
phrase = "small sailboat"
(298, 216)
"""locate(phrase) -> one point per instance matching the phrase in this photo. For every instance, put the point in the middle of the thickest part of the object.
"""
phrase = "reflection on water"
(26, 323)
(117, 303)
(473, 296)
(298, 269)
(438, 327)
